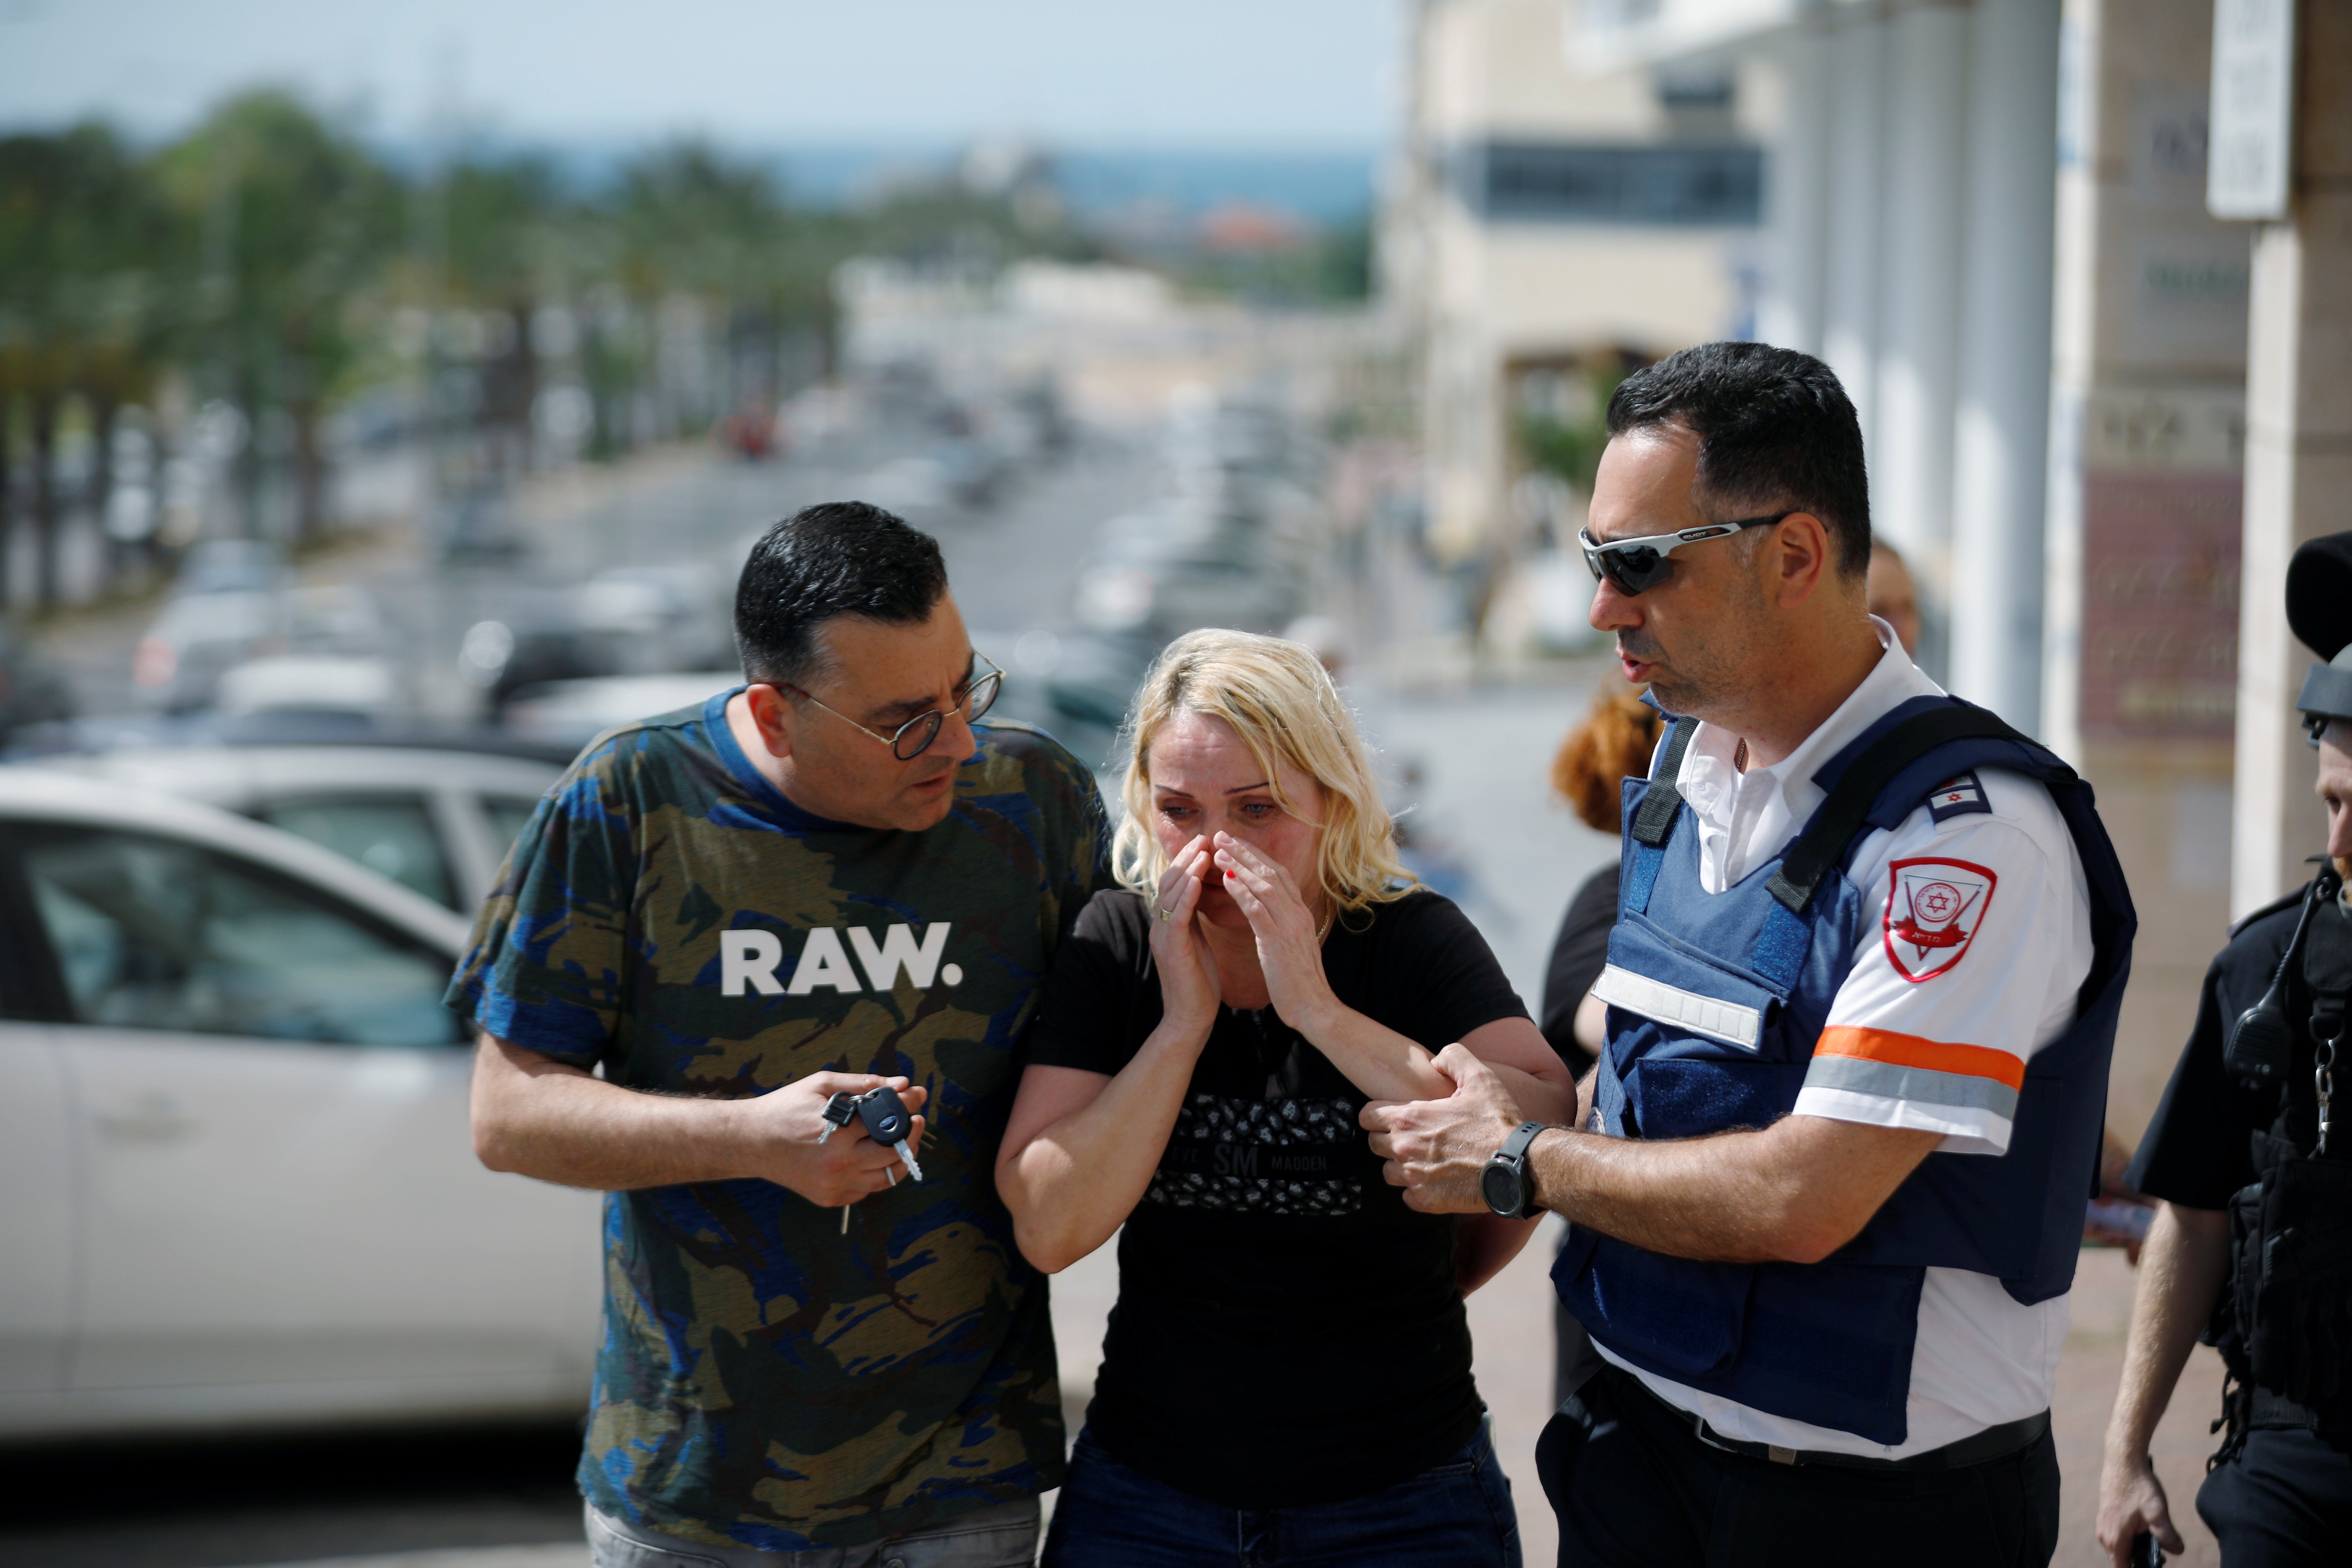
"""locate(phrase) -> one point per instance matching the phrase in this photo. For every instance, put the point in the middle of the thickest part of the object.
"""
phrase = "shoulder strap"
(1843, 815)
(2283, 902)
(1660, 798)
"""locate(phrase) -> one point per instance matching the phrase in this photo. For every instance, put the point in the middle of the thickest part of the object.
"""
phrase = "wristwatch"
(1505, 1184)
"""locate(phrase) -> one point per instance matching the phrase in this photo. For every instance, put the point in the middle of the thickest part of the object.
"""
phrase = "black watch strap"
(1513, 1157)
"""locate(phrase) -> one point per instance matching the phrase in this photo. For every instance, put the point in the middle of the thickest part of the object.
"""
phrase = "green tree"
(295, 219)
(690, 219)
(500, 225)
(87, 250)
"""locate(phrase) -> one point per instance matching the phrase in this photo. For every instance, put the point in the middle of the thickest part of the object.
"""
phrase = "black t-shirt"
(2199, 1148)
(1578, 955)
(1287, 1331)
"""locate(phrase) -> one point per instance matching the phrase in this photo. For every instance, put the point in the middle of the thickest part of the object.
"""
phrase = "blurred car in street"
(659, 618)
(232, 565)
(201, 636)
(642, 620)
(1174, 566)
(438, 820)
(233, 1133)
(1073, 684)
(308, 683)
(32, 689)
(570, 713)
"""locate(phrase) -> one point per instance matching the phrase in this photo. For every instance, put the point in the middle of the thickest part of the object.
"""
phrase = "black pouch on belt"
(2292, 1235)
(2291, 1232)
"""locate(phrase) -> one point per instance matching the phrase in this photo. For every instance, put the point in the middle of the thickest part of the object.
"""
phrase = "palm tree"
(297, 219)
(84, 246)
(502, 255)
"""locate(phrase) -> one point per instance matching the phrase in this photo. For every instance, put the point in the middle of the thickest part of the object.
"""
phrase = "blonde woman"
(1289, 1364)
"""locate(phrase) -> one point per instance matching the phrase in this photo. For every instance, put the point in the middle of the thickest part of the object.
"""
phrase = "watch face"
(1499, 1185)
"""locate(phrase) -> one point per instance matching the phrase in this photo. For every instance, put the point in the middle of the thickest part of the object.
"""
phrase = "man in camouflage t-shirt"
(833, 877)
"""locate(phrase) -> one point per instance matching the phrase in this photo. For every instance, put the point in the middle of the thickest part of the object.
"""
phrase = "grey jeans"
(1001, 1537)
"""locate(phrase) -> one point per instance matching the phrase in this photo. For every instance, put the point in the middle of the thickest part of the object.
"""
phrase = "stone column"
(2002, 426)
(1857, 52)
(2149, 376)
(1911, 457)
(2299, 453)
(1796, 195)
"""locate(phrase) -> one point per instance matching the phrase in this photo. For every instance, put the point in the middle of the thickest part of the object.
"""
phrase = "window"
(391, 835)
(154, 933)
(1658, 183)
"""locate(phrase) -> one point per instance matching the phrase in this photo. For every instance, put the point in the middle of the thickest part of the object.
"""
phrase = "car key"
(887, 1121)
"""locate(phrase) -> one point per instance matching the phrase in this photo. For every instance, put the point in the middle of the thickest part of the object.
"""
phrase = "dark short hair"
(1774, 429)
(837, 558)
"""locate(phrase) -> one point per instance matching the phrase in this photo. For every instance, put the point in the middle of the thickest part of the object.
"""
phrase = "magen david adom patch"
(1933, 909)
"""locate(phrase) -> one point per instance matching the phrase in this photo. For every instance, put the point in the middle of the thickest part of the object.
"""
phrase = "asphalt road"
(208, 1501)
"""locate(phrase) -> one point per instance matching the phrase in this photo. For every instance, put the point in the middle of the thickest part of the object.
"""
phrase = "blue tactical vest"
(1733, 990)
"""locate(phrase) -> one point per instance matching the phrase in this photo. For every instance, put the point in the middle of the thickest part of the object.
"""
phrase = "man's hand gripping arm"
(1793, 1192)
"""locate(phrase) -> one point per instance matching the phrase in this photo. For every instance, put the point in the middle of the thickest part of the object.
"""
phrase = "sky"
(1229, 74)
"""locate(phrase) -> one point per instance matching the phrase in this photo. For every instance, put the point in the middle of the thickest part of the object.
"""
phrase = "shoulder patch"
(1957, 797)
(1933, 909)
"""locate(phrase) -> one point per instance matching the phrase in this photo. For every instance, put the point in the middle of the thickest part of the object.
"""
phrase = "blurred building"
(1543, 225)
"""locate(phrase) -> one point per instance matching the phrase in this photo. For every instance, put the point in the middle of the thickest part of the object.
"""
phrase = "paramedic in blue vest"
(1827, 1185)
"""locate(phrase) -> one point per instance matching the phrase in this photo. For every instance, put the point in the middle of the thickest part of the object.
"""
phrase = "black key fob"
(884, 1115)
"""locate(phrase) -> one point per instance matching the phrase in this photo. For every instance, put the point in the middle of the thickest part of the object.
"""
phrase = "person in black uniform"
(2251, 1247)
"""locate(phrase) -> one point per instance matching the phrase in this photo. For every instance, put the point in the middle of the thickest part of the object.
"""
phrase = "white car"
(573, 712)
(438, 822)
(240, 1186)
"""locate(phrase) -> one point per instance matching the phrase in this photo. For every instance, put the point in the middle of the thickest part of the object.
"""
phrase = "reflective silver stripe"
(1717, 1020)
(1891, 1080)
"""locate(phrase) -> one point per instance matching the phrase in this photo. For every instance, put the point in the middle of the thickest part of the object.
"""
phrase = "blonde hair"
(1279, 699)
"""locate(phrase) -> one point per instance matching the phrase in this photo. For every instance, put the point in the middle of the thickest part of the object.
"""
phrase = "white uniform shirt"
(1976, 937)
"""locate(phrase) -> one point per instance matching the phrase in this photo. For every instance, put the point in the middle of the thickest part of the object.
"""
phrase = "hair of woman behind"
(1612, 744)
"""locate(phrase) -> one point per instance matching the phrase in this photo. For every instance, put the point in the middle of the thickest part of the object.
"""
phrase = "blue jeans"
(1457, 1515)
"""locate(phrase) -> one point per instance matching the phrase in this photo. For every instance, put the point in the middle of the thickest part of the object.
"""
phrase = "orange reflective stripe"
(1911, 1051)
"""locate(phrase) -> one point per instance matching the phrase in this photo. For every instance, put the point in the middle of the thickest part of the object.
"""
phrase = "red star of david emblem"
(1933, 909)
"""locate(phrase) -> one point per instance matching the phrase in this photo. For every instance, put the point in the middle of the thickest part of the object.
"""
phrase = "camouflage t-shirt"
(764, 1379)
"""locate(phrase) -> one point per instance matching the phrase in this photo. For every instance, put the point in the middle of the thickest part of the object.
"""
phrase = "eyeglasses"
(1636, 565)
(913, 738)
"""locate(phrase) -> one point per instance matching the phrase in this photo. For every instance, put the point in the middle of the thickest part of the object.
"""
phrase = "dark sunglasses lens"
(916, 737)
(1635, 569)
(982, 695)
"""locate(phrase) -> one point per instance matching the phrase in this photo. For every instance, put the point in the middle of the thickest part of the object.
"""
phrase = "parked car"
(1173, 567)
(439, 822)
(32, 689)
(232, 565)
(199, 637)
(233, 1134)
(570, 713)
